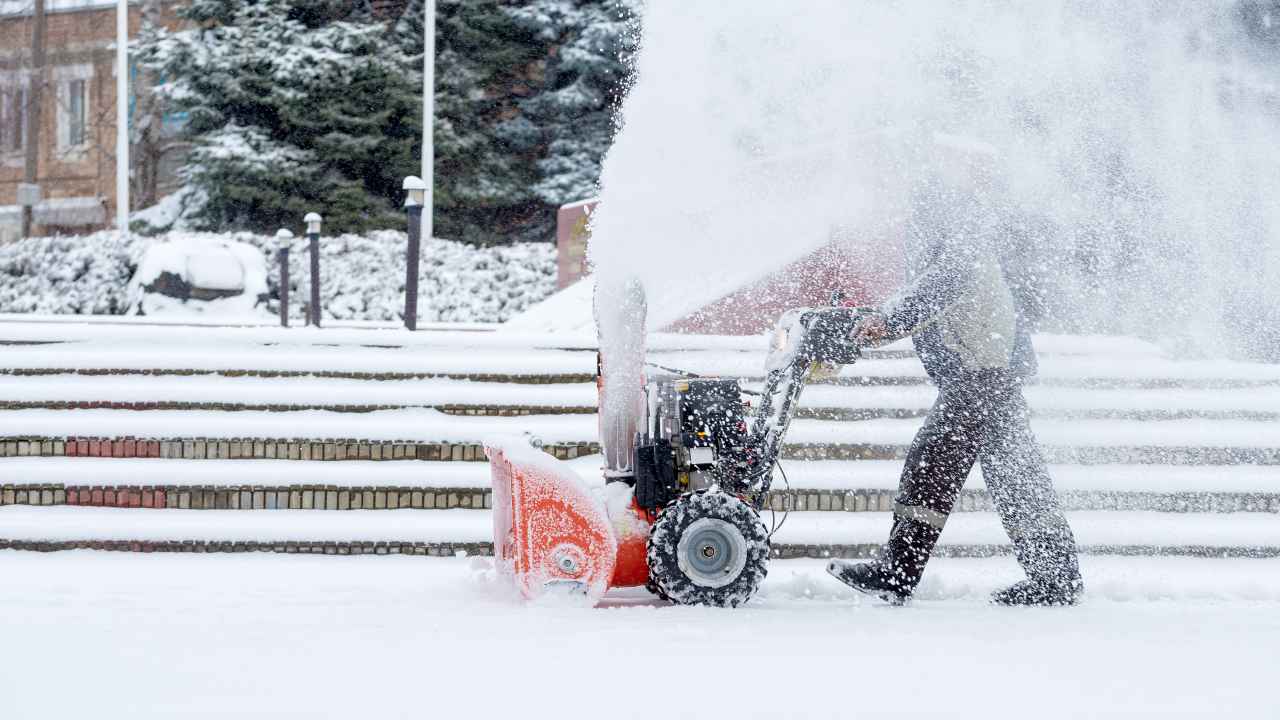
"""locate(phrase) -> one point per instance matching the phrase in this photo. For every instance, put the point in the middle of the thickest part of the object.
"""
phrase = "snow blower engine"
(681, 515)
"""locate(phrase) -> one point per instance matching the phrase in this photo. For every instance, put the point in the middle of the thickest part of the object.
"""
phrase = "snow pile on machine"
(549, 530)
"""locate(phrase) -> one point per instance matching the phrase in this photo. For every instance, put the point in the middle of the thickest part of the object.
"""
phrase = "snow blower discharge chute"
(684, 519)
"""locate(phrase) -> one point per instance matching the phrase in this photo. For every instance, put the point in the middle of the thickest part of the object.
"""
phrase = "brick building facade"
(78, 111)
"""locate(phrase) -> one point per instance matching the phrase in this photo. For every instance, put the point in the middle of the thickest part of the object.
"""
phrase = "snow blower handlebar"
(803, 339)
(697, 432)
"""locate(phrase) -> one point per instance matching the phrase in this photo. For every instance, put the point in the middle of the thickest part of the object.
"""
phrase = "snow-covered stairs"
(435, 533)
(99, 428)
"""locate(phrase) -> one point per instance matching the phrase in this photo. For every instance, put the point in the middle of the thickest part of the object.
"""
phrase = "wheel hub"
(712, 552)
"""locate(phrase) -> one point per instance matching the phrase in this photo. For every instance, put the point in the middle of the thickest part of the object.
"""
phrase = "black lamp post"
(415, 196)
(283, 239)
(313, 239)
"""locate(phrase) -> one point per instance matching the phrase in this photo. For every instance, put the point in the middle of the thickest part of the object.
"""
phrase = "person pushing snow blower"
(969, 328)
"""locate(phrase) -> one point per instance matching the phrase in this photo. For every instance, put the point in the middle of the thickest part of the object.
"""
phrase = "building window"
(13, 118)
(76, 134)
(73, 112)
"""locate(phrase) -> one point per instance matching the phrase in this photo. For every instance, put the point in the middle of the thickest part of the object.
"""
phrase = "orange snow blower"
(679, 511)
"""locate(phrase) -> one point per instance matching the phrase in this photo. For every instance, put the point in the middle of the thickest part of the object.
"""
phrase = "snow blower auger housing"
(685, 522)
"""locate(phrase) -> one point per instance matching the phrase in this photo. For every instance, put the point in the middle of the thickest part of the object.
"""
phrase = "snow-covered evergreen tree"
(485, 62)
(292, 107)
(298, 105)
(525, 94)
(586, 77)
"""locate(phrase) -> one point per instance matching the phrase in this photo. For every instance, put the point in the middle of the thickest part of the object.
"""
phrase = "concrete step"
(313, 496)
(247, 448)
(1088, 371)
(841, 414)
(463, 397)
(532, 378)
(343, 449)
(407, 532)
(539, 359)
(432, 426)
(472, 409)
(870, 378)
(818, 486)
(205, 392)
(824, 475)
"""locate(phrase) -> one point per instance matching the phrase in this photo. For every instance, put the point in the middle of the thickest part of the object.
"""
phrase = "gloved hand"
(823, 372)
(871, 329)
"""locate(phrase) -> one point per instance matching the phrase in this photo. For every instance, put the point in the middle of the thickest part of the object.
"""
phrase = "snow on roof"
(580, 203)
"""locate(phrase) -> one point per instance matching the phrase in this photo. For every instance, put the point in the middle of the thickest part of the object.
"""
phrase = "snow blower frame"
(685, 522)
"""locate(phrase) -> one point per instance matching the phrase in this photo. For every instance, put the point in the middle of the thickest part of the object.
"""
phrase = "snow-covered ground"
(143, 636)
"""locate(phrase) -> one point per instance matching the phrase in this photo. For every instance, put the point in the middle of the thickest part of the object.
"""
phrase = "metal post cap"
(415, 191)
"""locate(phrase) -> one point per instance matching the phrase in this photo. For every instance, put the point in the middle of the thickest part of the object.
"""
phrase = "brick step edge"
(865, 551)
(1063, 455)
(260, 448)
(491, 410)
(473, 549)
(296, 497)
(392, 547)
(446, 408)
(513, 378)
(336, 449)
(1099, 383)
(330, 497)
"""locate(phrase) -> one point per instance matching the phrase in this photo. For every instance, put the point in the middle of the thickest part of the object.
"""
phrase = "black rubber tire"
(654, 588)
(672, 583)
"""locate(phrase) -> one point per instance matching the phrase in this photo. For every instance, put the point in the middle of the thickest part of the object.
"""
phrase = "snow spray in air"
(1135, 145)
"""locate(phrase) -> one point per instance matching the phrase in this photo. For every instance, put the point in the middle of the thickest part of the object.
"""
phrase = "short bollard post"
(283, 240)
(313, 239)
(415, 196)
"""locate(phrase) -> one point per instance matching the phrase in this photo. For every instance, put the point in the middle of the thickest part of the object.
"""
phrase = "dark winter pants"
(984, 418)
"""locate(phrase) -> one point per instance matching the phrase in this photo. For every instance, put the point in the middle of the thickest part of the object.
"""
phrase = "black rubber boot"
(1051, 562)
(893, 576)
(1032, 593)
(873, 578)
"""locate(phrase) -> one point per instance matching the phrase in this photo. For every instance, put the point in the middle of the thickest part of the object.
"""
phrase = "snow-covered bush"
(361, 277)
(78, 275)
